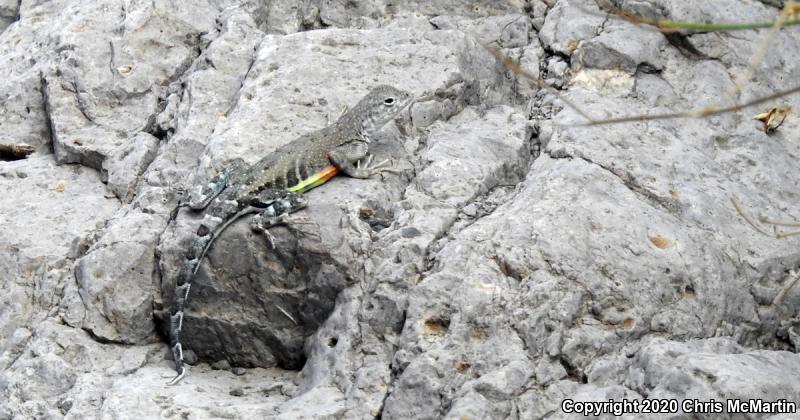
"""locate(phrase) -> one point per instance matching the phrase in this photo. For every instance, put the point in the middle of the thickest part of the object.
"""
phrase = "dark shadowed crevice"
(48, 112)
(99, 339)
(573, 372)
(684, 45)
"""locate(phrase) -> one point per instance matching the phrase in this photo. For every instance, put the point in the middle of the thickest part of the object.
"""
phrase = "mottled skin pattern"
(274, 185)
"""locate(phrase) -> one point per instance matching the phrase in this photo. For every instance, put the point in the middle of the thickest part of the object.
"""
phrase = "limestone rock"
(516, 260)
(127, 163)
(568, 23)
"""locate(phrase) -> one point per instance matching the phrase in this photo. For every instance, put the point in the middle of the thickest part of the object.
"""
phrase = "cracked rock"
(567, 24)
(622, 47)
(509, 31)
(515, 258)
(127, 163)
(118, 298)
(9, 9)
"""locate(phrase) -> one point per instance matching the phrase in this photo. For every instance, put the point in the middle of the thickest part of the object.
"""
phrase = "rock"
(537, 12)
(666, 369)
(212, 85)
(117, 298)
(127, 163)
(8, 13)
(472, 154)
(518, 259)
(244, 333)
(556, 71)
(62, 370)
(361, 13)
(489, 395)
(101, 303)
(221, 365)
(326, 401)
(775, 3)
(93, 111)
(509, 31)
(530, 60)
(23, 118)
(75, 140)
(568, 23)
(202, 394)
(459, 69)
(284, 17)
(38, 245)
(430, 208)
(622, 46)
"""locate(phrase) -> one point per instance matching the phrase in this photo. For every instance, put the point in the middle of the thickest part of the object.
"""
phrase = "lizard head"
(382, 104)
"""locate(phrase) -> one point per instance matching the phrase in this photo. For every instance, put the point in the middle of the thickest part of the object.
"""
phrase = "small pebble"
(189, 357)
(221, 365)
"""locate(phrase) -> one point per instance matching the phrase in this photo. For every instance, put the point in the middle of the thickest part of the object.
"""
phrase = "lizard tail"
(199, 247)
(176, 318)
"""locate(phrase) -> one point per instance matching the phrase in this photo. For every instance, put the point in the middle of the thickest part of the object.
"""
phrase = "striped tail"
(199, 247)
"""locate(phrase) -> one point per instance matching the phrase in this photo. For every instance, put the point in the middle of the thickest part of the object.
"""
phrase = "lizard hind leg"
(262, 223)
(274, 203)
(276, 207)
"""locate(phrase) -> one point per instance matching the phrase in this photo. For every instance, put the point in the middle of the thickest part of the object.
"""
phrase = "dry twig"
(761, 230)
(787, 17)
(16, 151)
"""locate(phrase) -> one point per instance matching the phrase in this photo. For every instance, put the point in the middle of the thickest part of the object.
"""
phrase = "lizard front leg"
(344, 156)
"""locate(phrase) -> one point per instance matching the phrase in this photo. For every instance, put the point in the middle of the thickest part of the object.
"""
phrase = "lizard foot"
(295, 223)
(377, 168)
(262, 223)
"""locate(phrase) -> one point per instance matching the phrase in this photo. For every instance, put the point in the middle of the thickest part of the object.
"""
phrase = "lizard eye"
(388, 101)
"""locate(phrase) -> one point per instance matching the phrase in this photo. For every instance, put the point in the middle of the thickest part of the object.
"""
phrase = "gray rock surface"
(8, 13)
(517, 260)
(568, 23)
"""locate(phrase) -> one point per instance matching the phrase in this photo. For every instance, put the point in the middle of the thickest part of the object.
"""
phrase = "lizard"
(274, 186)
